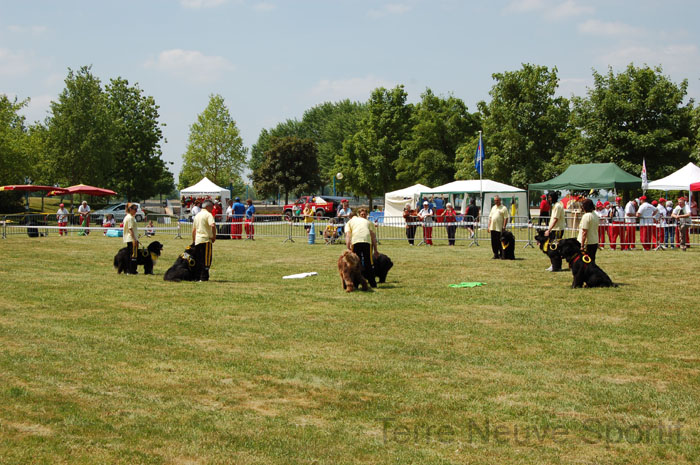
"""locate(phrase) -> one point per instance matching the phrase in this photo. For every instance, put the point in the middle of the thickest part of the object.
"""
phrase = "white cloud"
(264, 7)
(552, 10)
(524, 6)
(14, 63)
(358, 88)
(678, 59)
(38, 107)
(389, 9)
(196, 4)
(191, 65)
(614, 29)
(568, 9)
(575, 86)
(33, 30)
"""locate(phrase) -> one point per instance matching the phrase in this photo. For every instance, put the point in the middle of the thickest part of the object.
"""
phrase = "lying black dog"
(585, 271)
(184, 268)
(550, 247)
(508, 245)
(146, 257)
(382, 265)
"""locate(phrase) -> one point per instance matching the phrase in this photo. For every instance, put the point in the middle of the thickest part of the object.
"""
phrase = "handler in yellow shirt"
(203, 236)
(555, 230)
(131, 237)
(498, 219)
(361, 239)
(588, 230)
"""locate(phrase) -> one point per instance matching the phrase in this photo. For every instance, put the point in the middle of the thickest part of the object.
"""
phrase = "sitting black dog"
(382, 265)
(508, 245)
(585, 270)
(550, 247)
(146, 257)
(184, 268)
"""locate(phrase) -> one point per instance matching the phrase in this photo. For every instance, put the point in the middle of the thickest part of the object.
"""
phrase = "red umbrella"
(89, 190)
(695, 186)
(32, 188)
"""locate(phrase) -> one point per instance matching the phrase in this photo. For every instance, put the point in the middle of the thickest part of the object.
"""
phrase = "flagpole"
(481, 170)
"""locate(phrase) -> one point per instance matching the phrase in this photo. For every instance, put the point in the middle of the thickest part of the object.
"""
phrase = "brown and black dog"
(351, 272)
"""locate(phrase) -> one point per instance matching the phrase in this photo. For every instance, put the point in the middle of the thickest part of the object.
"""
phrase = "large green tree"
(215, 148)
(638, 114)
(139, 171)
(439, 127)
(525, 128)
(329, 125)
(14, 162)
(79, 139)
(288, 128)
(290, 166)
(367, 162)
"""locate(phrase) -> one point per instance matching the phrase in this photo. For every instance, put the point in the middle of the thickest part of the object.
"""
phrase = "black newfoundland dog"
(382, 265)
(146, 257)
(184, 268)
(585, 271)
(508, 245)
(550, 247)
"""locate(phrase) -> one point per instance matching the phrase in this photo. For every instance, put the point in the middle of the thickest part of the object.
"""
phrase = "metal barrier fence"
(465, 230)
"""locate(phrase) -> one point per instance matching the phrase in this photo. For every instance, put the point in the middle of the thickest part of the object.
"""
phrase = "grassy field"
(253, 369)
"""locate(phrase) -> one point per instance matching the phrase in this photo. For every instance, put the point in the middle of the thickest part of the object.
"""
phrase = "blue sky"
(273, 59)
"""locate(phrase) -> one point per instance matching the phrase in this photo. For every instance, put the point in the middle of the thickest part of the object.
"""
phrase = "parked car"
(324, 207)
(119, 212)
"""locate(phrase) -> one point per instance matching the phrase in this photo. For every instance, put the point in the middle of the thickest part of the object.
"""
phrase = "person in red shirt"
(450, 217)
(545, 208)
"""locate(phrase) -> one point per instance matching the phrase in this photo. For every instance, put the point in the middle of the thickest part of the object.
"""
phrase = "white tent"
(396, 200)
(473, 187)
(678, 181)
(206, 188)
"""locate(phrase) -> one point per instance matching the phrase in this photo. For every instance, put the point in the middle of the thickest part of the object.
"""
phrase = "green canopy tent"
(590, 176)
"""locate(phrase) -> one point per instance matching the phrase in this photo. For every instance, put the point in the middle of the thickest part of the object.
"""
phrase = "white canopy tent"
(473, 187)
(396, 200)
(206, 188)
(678, 181)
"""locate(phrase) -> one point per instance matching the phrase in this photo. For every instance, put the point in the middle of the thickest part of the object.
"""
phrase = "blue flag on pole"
(479, 156)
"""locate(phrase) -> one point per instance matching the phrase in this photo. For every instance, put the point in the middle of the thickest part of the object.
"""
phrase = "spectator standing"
(130, 237)
(630, 225)
(249, 220)
(84, 211)
(203, 236)
(62, 219)
(308, 217)
(588, 229)
(426, 216)
(411, 219)
(238, 216)
(617, 217)
(669, 227)
(682, 216)
(545, 208)
(602, 214)
(450, 218)
(498, 220)
(472, 216)
(197, 208)
(646, 213)
(361, 239)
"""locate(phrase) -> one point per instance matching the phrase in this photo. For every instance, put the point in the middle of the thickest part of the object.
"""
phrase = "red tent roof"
(33, 188)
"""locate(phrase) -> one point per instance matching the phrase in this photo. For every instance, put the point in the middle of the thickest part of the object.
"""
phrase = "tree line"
(110, 136)
(530, 134)
(107, 136)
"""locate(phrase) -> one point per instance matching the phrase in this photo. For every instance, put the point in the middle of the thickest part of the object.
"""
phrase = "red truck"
(324, 207)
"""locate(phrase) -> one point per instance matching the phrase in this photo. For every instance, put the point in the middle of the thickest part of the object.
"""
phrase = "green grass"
(253, 369)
